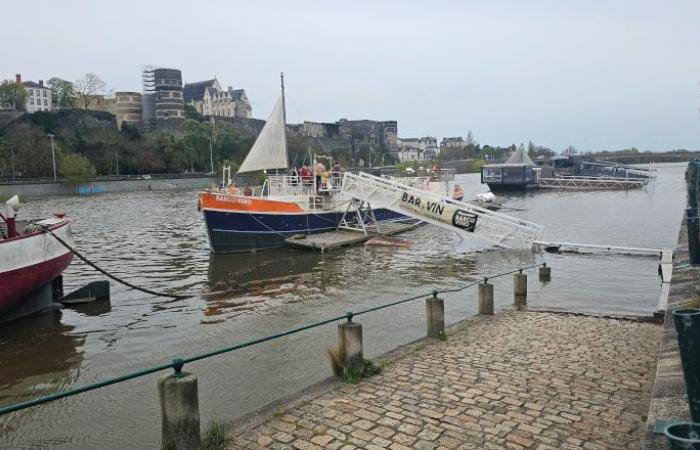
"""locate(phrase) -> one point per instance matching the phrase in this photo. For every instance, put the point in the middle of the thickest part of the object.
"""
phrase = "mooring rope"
(109, 275)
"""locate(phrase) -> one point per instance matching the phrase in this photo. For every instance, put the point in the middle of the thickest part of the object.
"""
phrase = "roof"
(31, 84)
(506, 164)
(195, 91)
(520, 156)
(237, 94)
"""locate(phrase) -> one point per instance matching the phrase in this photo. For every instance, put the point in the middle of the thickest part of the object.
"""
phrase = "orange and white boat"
(286, 205)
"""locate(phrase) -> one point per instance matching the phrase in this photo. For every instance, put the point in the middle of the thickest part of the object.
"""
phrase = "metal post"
(53, 157)
(211, 156)
(687, 323)
(117, 156)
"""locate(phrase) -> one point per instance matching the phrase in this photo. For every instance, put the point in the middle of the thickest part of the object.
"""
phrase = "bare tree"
(87, 88)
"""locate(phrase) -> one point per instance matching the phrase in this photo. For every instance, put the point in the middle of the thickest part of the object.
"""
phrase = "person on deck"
(458, 193)
(294, 174)
(306, 177)
(232, 189)
(248, 191)
(319, 170)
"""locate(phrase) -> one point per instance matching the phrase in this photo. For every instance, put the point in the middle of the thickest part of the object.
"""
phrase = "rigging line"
(107, 274)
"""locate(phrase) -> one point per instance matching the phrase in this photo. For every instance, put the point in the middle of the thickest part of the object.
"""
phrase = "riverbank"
(34, 189)
(669, 399)
(518, 379)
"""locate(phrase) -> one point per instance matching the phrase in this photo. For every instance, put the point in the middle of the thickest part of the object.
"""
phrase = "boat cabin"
(516, 174)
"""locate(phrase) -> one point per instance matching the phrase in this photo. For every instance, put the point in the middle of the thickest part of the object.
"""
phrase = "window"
(45, 104)
(31, 101)
(44, 93)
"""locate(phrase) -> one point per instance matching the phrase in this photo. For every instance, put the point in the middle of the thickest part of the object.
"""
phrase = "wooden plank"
(341, 238)
(666, 272)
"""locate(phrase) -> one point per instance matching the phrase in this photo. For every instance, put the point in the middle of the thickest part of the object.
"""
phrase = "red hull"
(15, 285)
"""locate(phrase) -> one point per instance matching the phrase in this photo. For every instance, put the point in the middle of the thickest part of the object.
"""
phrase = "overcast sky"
(595, 74)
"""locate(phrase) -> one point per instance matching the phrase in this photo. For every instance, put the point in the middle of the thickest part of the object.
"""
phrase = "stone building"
(209, 99)
(162, 103)
(128, 108)
(423, 148)
(452, 142)
(38, 95)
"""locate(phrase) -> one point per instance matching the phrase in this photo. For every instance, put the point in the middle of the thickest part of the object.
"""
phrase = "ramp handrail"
(465, 218)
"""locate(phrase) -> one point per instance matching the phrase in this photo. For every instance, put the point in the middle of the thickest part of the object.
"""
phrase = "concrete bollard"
(545, 273)
(486, 298)
(435, 317)
(520, 289)
(350, 345)
(179, 408)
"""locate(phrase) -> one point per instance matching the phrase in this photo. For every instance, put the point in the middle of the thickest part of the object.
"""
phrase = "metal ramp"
(464, 218)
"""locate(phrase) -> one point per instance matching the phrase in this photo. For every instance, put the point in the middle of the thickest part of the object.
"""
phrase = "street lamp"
(211, 156)
(53, 157)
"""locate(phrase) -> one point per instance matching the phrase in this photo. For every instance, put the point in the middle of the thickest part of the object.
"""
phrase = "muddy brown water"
(157, 239)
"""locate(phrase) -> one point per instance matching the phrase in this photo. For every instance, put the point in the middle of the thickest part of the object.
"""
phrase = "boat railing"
(296, 185)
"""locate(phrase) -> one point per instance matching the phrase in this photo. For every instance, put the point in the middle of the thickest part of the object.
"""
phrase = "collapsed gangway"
(464, 218)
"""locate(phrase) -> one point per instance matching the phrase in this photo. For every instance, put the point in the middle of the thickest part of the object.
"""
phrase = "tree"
(62, 93)
(471, 147)
(12, 95)
(87, 88)
(76, 168)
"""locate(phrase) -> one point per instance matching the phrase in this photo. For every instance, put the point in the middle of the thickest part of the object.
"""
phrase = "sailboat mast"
(284, 116)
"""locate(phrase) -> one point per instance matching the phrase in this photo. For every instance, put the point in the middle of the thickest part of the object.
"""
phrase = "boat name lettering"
(229, 199)
(464, 220)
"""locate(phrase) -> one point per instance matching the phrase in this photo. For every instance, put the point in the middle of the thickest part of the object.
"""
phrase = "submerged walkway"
(510, 381)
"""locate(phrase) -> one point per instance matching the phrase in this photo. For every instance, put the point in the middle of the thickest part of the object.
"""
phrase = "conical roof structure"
(520, 156)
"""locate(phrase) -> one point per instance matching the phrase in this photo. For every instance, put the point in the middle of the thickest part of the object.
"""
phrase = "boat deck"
(341, 238)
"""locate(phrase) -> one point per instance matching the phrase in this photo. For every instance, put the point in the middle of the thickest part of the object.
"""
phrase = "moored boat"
(30, 258)
(287, 204)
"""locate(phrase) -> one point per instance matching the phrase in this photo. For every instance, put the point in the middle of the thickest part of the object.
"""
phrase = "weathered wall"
(98, 187)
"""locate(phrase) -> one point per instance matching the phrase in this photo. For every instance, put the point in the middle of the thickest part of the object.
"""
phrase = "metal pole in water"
(53, 157)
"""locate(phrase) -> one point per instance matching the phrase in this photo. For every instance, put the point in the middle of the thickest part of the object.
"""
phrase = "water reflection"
(38, 356)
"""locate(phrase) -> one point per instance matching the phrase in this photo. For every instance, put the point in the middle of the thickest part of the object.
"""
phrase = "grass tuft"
(216, 436)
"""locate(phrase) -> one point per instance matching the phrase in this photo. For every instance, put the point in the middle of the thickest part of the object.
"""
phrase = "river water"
(158, 239)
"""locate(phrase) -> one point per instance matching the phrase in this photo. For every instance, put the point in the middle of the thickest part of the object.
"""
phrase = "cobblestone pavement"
(513, 380)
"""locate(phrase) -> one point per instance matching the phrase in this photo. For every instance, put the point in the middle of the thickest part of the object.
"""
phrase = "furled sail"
(270, 149)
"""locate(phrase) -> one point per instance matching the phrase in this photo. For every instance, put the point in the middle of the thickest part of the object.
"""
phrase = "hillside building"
(210, 99)
(162, 102)
(417, 149)
(38, 95)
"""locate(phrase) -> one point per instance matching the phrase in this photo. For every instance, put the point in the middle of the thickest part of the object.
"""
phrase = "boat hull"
(29, 262)
(238, 232)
